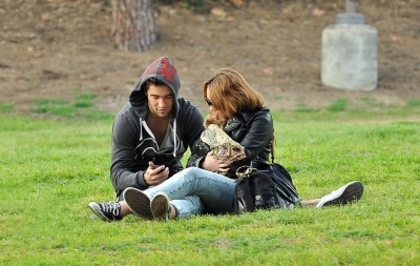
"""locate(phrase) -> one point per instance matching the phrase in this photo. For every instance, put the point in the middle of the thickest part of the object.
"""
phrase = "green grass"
(338, 105)
(51, 169)
(81, 107)
(6, 107)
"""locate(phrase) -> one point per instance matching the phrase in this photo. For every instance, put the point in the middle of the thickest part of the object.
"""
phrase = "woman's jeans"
(195, 191)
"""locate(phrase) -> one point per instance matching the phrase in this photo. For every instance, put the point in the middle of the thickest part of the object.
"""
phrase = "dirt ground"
(61, 48)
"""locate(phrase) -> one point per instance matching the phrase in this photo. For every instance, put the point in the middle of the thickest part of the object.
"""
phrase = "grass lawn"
(51, 168)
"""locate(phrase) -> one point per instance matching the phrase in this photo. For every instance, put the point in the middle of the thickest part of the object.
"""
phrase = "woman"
(208, 184)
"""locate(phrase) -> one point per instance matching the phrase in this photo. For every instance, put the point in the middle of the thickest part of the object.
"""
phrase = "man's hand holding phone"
(155, 174)
(158, 168)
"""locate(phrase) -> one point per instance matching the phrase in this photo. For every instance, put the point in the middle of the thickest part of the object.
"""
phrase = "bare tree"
(134, 26)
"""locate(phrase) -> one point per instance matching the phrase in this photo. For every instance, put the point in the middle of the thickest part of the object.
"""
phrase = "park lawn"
(51, 169)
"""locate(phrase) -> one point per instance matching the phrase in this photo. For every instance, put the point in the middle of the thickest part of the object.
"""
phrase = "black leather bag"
(270, 186)
(243, 200)
(286, 192)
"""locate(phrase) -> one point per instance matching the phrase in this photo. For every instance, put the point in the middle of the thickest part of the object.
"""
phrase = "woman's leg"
(346, 194)
(184, 208)
(215, 191)
(309, 203)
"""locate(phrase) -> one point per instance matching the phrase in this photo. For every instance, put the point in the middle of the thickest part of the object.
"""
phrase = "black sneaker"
(138, 202)
(160, 207)
(107, 211)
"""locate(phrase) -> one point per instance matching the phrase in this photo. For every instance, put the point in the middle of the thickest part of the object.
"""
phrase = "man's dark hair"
(153, 81)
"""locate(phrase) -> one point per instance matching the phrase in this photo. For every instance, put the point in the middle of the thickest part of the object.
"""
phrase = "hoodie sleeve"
(125, 132)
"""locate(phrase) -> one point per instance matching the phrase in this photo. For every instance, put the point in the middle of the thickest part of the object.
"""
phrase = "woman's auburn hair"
(231, 94)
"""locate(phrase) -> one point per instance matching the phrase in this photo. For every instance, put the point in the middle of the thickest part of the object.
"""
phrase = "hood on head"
(161, 69)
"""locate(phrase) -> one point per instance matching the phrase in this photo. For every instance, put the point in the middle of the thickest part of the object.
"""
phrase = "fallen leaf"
(318, 12)
(268, 71)
(237, 3)
(47, 16)
(218, 12)
(395, 38)
(230, 19)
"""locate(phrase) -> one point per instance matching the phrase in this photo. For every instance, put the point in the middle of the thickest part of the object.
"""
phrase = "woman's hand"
(212, 164)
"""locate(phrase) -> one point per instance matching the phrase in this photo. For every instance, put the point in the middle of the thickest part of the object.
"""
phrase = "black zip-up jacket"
(252, 129)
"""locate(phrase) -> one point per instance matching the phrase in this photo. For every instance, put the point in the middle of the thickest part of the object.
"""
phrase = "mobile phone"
(156, 166)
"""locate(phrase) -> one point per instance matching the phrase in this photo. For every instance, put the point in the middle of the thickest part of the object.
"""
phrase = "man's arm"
(125, 133)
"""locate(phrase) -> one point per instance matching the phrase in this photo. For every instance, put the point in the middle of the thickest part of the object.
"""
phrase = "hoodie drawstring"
(175, 137)
(141, 130)
(141, 137)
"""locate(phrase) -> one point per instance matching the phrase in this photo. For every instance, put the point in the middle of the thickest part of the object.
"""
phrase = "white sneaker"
(346, 194)
(160, 207)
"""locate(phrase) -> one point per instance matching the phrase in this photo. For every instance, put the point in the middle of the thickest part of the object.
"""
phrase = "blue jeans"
(195, 191)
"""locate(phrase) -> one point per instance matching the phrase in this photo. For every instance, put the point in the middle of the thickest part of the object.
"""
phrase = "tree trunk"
(134, 27)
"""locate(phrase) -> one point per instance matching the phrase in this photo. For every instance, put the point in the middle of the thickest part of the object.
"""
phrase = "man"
(150, 135)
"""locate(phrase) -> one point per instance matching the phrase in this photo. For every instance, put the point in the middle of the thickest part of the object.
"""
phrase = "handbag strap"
(244, 171)
(273, 140)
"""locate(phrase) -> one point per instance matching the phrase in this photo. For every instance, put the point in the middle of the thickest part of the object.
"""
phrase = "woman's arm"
(258, 135)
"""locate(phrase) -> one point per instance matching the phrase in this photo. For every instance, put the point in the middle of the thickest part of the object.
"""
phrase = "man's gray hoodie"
(133, 144)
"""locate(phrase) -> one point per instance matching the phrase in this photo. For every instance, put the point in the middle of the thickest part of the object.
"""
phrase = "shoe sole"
(97, 211)
(138, 203)
(159, 206)
(353, 192)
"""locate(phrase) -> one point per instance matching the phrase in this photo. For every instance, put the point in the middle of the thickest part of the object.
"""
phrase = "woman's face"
(218, 114)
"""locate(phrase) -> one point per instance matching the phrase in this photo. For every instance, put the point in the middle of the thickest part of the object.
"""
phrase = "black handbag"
(269, 186)
(286, 192)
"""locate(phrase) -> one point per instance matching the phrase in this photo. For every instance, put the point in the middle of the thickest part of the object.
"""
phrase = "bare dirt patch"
(61, 48)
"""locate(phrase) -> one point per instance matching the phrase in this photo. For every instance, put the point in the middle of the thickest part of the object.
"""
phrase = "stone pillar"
(350, 52)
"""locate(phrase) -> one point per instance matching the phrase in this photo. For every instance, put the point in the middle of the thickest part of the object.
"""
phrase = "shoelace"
(112, 207)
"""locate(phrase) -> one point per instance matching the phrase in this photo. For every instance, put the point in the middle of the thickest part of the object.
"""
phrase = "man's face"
(160, 100)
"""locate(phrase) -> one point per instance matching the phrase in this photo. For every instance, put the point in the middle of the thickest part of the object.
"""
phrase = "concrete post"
(350, 6)
(349, 52)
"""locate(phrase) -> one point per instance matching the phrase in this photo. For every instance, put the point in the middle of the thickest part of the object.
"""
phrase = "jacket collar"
(242, 118)
(231, 124)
